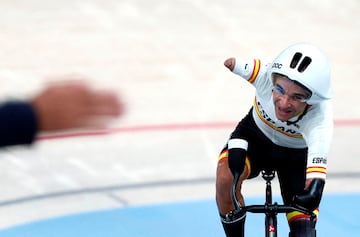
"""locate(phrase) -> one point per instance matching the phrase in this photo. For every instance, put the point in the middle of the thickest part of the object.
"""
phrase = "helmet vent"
(304, 64)
(295, 60)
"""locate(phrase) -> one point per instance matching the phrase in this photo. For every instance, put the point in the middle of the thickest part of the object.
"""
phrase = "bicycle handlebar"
(275, 208)
(266, 208)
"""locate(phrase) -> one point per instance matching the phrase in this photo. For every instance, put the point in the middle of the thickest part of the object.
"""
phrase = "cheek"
(302, 108)
(275, 98)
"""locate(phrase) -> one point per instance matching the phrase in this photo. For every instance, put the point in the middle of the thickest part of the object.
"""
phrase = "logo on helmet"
(277, 65)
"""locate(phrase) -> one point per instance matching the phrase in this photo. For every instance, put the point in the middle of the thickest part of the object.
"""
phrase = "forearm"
(247, 69)
(17, 124)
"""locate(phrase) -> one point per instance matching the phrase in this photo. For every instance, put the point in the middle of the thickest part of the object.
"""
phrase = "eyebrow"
(305, 95)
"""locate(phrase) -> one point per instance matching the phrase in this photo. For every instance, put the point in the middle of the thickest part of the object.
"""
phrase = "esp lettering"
(319, 160)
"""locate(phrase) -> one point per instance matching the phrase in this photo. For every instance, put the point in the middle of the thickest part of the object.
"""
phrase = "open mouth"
(284, 112)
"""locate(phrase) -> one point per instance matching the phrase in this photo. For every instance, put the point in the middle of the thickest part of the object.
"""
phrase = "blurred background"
(165, 59)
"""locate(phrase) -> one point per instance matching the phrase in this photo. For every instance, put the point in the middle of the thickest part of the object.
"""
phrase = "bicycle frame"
(270, 209)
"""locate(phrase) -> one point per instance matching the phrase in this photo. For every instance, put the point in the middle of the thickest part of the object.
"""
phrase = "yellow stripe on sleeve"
(316, 169)
(255, 71)
(291, 216)
(223, 155)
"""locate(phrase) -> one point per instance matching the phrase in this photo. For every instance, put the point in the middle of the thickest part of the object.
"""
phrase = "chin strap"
(300, 116)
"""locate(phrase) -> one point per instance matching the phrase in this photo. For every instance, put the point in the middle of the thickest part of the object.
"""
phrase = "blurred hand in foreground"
(73, 104)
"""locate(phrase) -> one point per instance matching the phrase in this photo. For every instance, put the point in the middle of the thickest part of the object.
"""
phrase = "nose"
(284, 100)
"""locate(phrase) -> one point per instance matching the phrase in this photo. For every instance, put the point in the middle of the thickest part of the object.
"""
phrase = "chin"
(282, 118)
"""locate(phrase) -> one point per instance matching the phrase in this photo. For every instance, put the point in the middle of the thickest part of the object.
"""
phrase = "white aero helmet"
(307, 65)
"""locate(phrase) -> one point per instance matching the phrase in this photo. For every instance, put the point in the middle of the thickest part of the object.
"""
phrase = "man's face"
(289, 98)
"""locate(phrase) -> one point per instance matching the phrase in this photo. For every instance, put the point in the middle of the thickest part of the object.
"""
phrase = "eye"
(278, 89)
(300, 98)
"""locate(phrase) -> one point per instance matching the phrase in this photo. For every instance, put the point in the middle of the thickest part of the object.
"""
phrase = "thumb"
(230, 63)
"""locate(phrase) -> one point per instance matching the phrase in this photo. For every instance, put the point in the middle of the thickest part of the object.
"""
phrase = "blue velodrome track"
(340, 215)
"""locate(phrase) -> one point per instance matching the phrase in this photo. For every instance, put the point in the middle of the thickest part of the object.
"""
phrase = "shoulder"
(319, 117)
(322, 110)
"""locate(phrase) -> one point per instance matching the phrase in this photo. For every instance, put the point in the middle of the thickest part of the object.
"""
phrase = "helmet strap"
(300, 116)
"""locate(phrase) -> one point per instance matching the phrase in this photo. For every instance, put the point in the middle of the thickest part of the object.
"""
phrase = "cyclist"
(289, 129)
